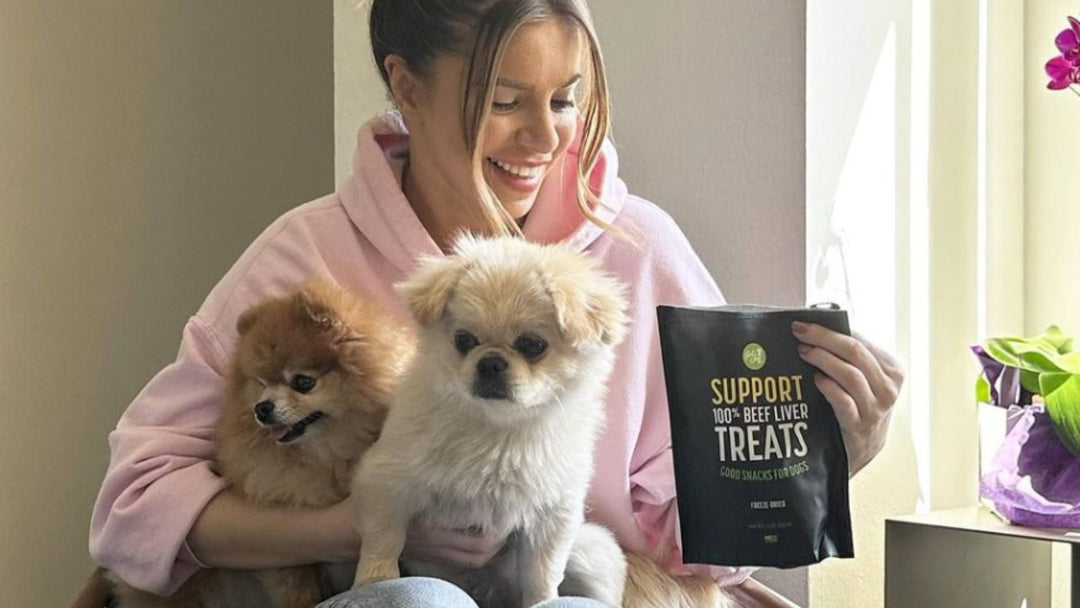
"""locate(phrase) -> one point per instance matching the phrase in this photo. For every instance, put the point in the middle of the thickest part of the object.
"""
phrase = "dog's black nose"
(491, 366)
(264, 411)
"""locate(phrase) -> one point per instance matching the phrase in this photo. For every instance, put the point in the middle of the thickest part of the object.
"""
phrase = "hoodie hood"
(373, 198)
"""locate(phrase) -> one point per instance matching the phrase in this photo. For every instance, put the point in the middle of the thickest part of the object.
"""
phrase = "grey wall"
(144, 144)
(709, 120)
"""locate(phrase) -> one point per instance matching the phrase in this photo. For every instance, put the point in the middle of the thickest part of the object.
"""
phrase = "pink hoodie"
(366, 236)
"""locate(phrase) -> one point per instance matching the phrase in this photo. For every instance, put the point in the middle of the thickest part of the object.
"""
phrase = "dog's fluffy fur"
(595, 564)
(649, 586)
(320, 364)
(489, 429)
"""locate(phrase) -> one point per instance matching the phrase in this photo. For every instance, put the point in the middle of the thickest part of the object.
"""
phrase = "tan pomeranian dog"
(306, 395)
(649, 586)
(597, 557)
(494, 424)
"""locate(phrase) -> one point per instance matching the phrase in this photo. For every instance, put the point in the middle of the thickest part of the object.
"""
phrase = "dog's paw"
(367, 573)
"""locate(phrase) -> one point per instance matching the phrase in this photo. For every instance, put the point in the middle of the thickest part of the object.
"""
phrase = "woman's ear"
(405, 87)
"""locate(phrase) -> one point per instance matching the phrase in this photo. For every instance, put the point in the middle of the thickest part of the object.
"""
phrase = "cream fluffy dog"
(493, 426)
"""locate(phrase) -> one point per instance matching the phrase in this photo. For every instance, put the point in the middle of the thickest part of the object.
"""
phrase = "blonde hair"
(419, 30)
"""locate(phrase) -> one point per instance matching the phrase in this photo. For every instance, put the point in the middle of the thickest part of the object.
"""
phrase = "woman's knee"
(408, 592)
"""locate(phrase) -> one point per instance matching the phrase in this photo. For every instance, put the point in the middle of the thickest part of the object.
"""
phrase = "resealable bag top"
(760, 468)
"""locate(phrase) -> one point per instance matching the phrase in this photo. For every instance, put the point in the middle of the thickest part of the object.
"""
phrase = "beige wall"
(896, 112)
(1051, 203)
(858, 171)
(1052, 126)
(144, 145)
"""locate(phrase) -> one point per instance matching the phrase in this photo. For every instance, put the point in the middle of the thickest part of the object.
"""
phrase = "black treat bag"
(760, 467)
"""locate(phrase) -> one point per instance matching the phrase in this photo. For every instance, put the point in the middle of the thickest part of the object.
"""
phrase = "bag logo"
(753, 356)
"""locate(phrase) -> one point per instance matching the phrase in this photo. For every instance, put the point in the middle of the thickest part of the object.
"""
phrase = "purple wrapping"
(1034, 480)
(1005, 389)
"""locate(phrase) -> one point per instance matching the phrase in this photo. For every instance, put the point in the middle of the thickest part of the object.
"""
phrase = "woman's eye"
(302, 384)
(562, 105)
(530, 346)
(503, 108)
(464, 341)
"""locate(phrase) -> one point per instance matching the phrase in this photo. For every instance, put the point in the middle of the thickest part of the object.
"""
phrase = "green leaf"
(1015, 350)
(1062, 394)
(1001, 350)
(982, 390)
(1030, 381)
(1048, 353)
(1038, 361)
(1057, 339)
(1070, 362)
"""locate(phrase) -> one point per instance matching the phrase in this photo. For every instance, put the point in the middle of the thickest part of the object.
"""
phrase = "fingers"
(860, 380)
(846, 376)
(889, 365)
(463, 559)
(467, 541)
(847, 411)
(462, 548)
(851, 356)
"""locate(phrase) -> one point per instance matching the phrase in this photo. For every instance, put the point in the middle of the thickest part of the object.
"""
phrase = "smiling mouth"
(517, 172)
(297, 430)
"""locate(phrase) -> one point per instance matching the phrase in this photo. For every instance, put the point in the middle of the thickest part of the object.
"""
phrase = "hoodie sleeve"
(678, 278)
(159, 478)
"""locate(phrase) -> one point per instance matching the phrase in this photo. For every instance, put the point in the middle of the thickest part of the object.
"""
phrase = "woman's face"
(532, 121)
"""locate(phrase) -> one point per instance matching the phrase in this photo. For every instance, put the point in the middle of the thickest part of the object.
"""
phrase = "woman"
(501, 125)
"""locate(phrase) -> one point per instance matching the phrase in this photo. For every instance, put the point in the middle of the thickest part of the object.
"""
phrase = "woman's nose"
(539, 133)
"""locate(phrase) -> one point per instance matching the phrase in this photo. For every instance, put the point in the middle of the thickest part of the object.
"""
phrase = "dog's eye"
(464, 341)
(530, 346)
(302, 384)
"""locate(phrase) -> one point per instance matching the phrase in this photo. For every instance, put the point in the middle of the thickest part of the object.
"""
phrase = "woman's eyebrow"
(513, 84)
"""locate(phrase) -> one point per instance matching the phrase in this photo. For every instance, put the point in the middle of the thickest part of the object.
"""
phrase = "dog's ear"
(589, 305)
(427, 290)
(319, 302)
(247, 319)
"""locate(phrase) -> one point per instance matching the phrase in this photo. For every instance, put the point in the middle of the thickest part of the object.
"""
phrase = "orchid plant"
(1018, 371)
(1064, 70)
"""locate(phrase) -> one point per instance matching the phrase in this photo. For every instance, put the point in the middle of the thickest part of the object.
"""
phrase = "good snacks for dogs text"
(759, 418)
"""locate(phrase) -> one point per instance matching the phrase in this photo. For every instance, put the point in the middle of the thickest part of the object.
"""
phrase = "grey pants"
(420, 592)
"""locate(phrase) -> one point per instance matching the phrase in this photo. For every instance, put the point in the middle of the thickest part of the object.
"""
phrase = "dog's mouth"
(492, 392)
(295, 431)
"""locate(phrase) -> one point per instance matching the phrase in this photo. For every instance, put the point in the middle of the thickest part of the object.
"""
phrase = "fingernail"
(804, 349)
(799, 327)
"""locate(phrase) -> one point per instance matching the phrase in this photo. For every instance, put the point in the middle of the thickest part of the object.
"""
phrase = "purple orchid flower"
(1068, 41)
(1064, 70)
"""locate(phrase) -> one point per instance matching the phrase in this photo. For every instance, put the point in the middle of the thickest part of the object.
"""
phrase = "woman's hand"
(460, 548)
(343, 539)
(860, 380)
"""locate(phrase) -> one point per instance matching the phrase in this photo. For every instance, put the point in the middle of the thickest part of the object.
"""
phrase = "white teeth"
(526, 172)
